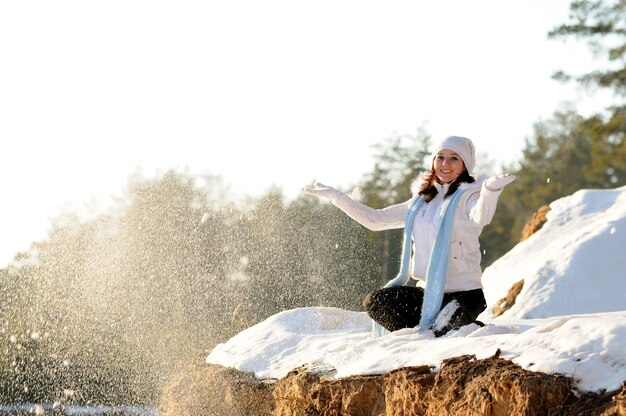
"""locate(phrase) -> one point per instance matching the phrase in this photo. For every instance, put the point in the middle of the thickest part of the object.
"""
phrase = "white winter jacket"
(475, 210)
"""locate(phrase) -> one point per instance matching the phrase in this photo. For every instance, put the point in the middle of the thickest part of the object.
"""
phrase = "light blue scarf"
(437, 264)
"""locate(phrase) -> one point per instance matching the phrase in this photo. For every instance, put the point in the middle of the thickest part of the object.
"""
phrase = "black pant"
(400, 307)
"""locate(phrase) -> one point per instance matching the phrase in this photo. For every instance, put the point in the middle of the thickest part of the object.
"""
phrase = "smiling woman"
(442, 223)
(448, 166)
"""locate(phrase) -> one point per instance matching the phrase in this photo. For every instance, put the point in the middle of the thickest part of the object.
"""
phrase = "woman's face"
(448, 166)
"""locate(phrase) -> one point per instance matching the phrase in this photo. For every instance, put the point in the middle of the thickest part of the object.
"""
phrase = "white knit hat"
(462, 146)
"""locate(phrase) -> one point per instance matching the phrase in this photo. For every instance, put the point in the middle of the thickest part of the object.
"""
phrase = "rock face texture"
(214, 390)
(506, 302)
(462, 386)
(536, 222)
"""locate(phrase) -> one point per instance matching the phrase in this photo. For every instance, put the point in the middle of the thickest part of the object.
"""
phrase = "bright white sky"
(562, 322)
(261, 92)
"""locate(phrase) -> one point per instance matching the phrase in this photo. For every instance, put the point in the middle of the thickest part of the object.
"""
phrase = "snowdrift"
(575, 264)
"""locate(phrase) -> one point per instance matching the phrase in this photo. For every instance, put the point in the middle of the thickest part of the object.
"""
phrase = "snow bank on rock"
(575, 264)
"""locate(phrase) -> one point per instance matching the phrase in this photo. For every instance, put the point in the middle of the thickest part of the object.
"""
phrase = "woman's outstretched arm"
(482, 206)
(374, 219)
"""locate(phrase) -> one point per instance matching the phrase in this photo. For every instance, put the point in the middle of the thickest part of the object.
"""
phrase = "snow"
(569, 318)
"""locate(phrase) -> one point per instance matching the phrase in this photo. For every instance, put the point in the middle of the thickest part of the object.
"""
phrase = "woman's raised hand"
(322, 191)
(496, 183)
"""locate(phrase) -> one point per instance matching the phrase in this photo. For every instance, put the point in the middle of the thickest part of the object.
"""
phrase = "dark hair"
(429, 191)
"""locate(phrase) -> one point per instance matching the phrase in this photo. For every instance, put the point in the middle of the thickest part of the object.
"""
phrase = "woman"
(442, 224)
